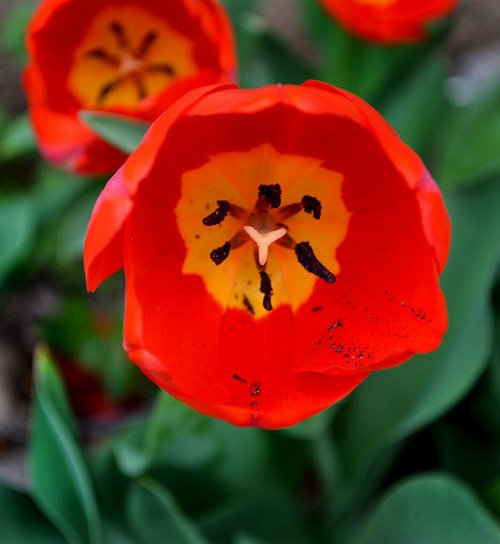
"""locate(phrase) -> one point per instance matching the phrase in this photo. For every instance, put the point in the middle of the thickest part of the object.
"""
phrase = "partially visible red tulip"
(128, 57)
(279, 244)
(388, 21)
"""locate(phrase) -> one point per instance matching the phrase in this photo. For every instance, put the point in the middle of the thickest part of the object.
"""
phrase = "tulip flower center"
(265, 226)
(126, 56)
(256, 245)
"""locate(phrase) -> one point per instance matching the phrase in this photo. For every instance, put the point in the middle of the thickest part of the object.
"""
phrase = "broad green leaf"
(314, 427)
(17, 139)
(174, 435)
(410, 105)
(469, 148)
(111, 488)
(61, 483)
(430, 509)
(178, 436)
(271, 517)
(393, 404)
(73, 226)
(125, 133)
(56, 190)
(17, 231)
(154, 515)
(22, 522)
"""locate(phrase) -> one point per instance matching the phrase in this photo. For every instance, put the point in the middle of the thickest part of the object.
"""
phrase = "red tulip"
(388, 21)
(279, 244)
(127, 57)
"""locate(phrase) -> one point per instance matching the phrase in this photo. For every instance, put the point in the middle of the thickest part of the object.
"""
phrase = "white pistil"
(264, 240)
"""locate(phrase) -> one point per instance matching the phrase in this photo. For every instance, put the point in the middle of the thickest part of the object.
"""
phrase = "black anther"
(309, 261)
(220, 254)
(218, 215)
(272, 193)
(312, 205)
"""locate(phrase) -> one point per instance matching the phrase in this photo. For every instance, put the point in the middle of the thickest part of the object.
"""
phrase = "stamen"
(272, 193)
(108, 88)
(264, 240)
(161, 68)
(312, 205)
(120, 34)
(266, 289)
(146, 44)
(220, 254)
(290, 210)
(101, 54)
(139, 84)
(218, 215)
(309, 261)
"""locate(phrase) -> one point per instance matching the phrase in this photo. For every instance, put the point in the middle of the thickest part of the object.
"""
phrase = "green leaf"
(418, 98)
(17, 139)
(17, 508)
(17, 231)
(271, 517)
(61, 483)
(111, 487)
(393, 404)
(154, 515)
(430, 509)
(73, 226)
(175, 435)
(125, 133)
(314, 427)
(469, 143)
(187, 451)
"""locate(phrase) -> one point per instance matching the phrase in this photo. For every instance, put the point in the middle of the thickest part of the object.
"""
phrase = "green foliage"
(60, 478)
(17, 231)
(155, 517)
(469, 149)
(23, 522)
(358, 472)
(390, 406)
(430, 509)
(122, 132)
(16, 139)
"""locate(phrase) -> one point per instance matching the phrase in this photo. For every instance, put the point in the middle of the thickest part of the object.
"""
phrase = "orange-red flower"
(124, 56)
(388, 21)
(278, 244)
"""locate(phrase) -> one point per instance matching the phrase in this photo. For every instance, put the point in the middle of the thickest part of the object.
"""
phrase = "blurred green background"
(91, 452)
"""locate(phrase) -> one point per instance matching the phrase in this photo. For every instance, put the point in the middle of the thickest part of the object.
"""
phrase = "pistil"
(264, 240)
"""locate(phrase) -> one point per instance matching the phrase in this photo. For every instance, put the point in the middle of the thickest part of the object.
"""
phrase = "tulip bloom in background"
(388, 21)
(277, 258)
(131, 58)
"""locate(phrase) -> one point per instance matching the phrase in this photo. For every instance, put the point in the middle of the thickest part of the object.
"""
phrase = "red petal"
(103, 250)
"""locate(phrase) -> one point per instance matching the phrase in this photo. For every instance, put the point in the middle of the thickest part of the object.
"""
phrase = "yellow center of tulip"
(127, 55)
(261, 228)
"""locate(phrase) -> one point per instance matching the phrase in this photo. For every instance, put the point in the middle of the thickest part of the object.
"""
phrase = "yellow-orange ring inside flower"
(232, 176)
